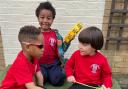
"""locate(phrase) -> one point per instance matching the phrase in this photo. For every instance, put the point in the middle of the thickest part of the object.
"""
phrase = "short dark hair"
(28, 33)
(45, 5)
(93, 36)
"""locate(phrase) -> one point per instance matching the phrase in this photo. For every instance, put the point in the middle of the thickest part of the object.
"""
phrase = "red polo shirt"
(21, 72)
(50, 48)
(89, 69)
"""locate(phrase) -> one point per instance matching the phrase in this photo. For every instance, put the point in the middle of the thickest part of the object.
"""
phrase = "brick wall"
(2, 63)
(118, 58)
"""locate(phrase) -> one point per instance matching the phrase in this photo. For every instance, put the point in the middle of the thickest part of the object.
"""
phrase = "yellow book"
(76, 28)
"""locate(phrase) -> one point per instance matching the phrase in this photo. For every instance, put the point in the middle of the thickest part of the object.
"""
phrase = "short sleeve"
(23, 74)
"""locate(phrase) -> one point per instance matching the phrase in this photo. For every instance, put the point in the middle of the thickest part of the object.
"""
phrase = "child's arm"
(39, 81)
(69, 69)
(106, 75)
(39, 78)
(62, 47)
(61, 44)
(32, 86)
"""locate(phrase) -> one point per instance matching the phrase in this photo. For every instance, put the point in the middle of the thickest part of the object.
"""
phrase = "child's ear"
(27, 47)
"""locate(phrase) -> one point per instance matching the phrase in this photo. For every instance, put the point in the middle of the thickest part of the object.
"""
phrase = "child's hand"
(71, 79)
(103, 86)
(59, 42)
(62, 65)
(100, 88)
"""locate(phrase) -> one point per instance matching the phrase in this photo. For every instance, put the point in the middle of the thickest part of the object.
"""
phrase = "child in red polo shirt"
(87, 68)
(21, 74)
(50, 62)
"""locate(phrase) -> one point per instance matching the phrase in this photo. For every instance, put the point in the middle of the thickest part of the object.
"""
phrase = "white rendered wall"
(17, 13)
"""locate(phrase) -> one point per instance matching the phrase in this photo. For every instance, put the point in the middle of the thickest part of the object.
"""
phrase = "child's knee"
(58, 80)
(58, 83)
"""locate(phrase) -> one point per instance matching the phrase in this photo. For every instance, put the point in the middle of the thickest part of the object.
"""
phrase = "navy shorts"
(53, 73)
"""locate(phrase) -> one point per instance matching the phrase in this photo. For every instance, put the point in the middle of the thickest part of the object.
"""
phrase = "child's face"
(86, 49)
(36, 48)
(45, 19)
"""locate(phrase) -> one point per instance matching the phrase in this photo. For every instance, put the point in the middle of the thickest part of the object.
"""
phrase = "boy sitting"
(25, 67)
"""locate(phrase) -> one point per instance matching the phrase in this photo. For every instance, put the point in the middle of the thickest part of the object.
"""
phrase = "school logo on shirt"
(94, 68)
(52, 41)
